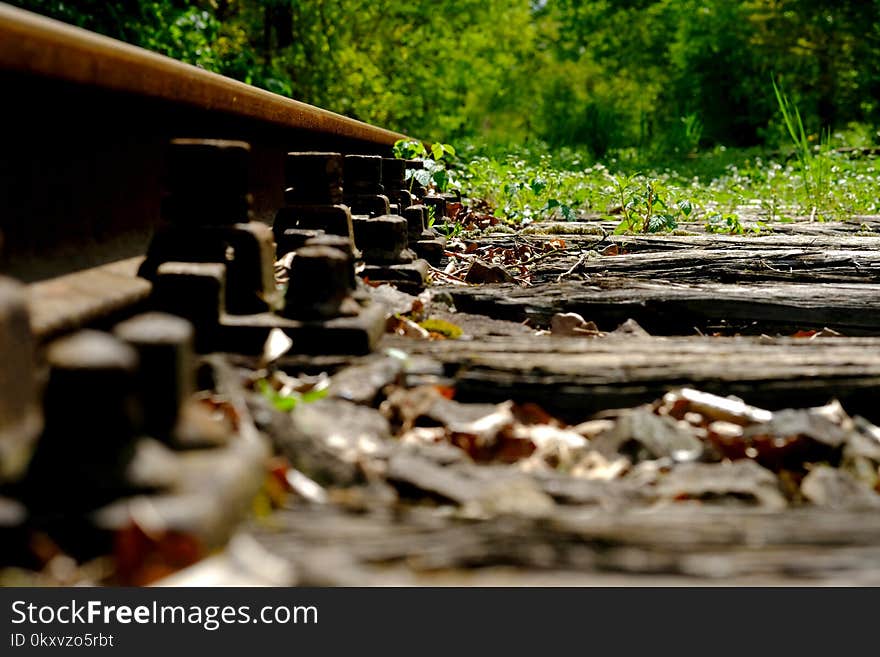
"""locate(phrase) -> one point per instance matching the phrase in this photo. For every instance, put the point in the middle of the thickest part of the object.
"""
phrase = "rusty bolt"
(290, 239)
(417, 165)
(207, 181)
(383, 240)
(415, 216)
(90, 390)
(166, 376)
(363, 175)
(313, 178)
(92, 420)
(439, 205)
(20, 418)
(320, 284)
(393, 174)
(250, 258)
(394, 181)
(192, 290)
(92, 414)
(337, 242)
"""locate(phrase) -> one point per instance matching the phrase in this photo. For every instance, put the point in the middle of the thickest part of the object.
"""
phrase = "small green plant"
(440, 151)
(692, 132)
(622, 186)
(728, 224)
(435, 171)
(643, 206)
(287, 402)
(409, 149)
(450, 229)
(815, 166)
(567, 212)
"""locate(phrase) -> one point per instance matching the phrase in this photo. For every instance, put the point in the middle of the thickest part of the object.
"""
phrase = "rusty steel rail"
(88, 118)
(40, 46)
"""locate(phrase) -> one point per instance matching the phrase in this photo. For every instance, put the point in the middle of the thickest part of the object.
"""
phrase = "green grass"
(733, 189)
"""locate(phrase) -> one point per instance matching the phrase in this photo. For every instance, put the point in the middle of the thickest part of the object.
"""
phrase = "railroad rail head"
(91, 118)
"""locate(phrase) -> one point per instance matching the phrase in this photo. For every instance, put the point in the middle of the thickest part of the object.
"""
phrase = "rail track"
(154, 330)
(90, 118)
(83, 171)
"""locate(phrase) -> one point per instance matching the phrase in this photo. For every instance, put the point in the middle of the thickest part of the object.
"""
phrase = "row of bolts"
(68, 453)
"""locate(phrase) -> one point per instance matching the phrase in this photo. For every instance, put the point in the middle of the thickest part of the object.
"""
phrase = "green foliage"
(409, 149)
(666, 77)
(440, 151)
(815, 166)
(529, 185)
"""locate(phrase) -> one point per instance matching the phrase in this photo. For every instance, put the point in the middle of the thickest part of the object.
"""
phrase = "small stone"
(580, 490)
(865, 441)
(331, 440)
(737, 480)
(413, 473)
(515, 496)
(363, 384)
(572, 324)
(153, 466)
(481, 272)
(803, 423)
(641, 434)
(394, 301)
(828, 487)
(631, 327)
